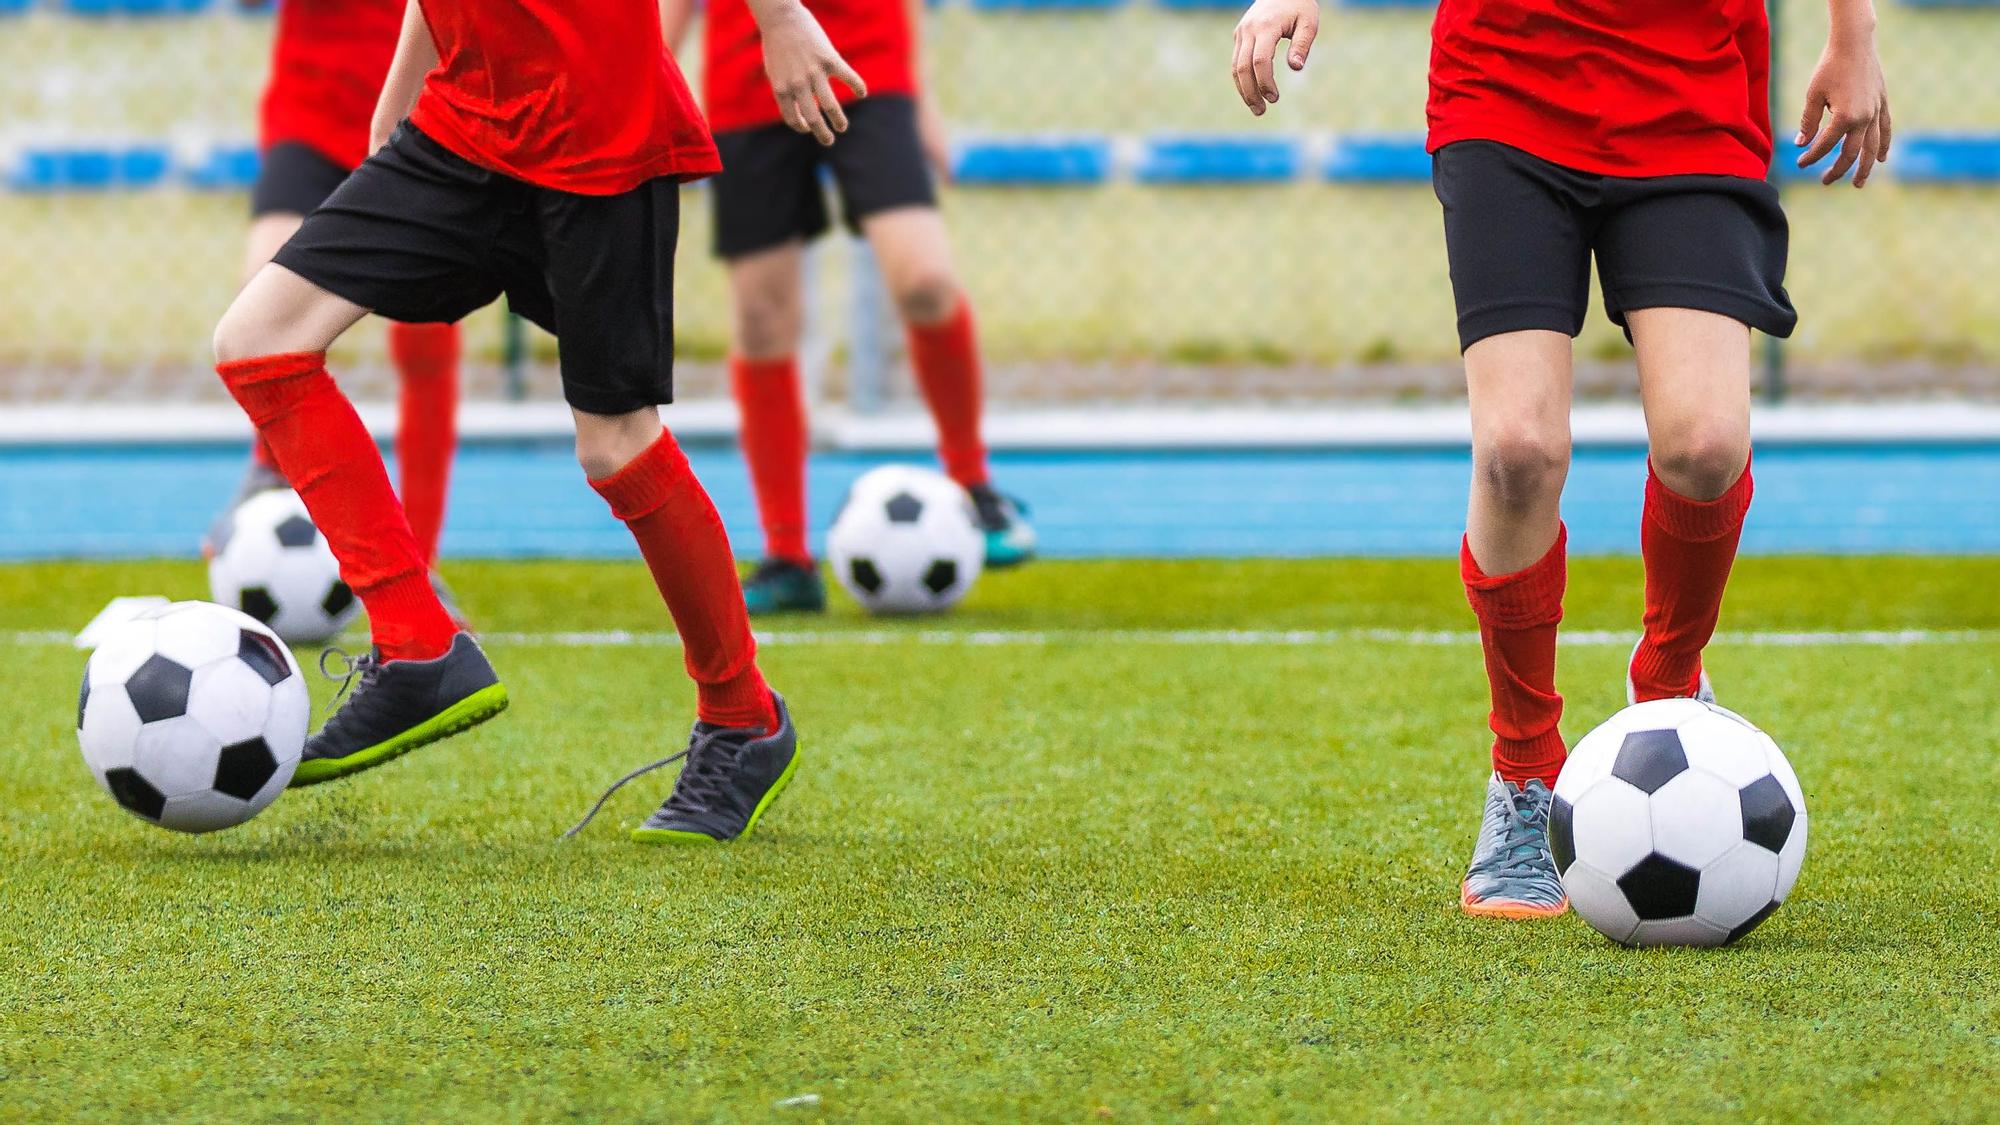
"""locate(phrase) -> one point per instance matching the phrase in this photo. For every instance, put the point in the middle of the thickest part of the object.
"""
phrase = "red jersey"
(328, 60)
(1611, 87)
(574, 95)
(874, 36)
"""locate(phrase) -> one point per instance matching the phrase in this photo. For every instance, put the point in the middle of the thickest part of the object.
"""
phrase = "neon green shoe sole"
(460, 717)
(671, 836)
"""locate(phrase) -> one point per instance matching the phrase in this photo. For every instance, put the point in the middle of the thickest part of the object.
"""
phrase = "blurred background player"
(533, 149)
(769, 203)
(328, 60)
(1639, 134)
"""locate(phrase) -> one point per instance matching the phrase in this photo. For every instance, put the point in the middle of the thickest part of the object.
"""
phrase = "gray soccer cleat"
(1704, 691)
(1513, 873)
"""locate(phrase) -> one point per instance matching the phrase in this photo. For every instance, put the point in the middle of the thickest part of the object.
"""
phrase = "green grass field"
(1105, 870)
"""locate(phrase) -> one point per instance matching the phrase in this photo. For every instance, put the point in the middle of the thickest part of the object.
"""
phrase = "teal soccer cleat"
(784, 586)
(1010, 541)
(1513, 873)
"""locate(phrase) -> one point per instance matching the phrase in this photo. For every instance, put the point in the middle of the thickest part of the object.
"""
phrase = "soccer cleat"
(257, 478)
(395, 707)
(1513, 873)
(1010, 540)
(784, 586)
(732, 775)
(1704, 691)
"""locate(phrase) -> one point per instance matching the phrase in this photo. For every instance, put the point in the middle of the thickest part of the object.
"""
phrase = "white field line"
(1287, 638)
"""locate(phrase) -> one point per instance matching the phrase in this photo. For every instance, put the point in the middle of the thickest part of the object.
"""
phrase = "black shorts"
(768, 192)
(1521, 231)
(422, 235)
(293, 179)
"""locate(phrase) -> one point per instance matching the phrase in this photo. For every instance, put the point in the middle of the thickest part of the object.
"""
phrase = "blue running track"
(529, 500)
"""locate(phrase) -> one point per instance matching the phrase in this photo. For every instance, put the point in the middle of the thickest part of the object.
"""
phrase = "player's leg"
(767, 300)
(1689, 265)
(609, 296)
(386, 241)
(267, 233)
(886, 186)
(767, 204)
(1515, 229)
(426, 360)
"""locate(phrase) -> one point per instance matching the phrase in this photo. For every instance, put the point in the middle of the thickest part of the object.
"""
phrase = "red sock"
(426, 357)
(946, 358)
(260, 452)
(775, 440)
(328, 455)
(681, 537)
(1518, 614)
(1689, 547)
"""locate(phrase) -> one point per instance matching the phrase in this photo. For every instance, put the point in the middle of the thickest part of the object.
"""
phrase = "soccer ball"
(1677, 823)
(274, 565)
(192, 716)
(906, 541)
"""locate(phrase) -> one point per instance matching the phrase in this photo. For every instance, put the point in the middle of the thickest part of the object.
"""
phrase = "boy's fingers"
(1809, 121)
(1239, 72)
(1883, 123)
(1871, 143)
(849, 78)
(1263, 57)
(1302, 38)
(1850, 151)
(1823, 142)
(836, 115)
(815, 122)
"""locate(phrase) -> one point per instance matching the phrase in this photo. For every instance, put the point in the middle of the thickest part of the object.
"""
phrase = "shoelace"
(1523, 844)
(365, 668)
(695, 780)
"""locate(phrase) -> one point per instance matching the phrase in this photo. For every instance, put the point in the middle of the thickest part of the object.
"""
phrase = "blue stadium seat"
(134, 7)
(226, 168)
(1219, 160)
(1388, 158)
(90, 168)
(1048, 163)
(13, 7)
(1962, 158)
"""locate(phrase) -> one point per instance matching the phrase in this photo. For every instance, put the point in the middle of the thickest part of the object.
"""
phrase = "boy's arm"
(416, 56)
(1257, 35)
(801, 63)
(1848, 85)
(930, 123)
(675, 15)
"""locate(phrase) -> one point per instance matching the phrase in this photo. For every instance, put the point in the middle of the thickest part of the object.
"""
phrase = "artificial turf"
(1089, 873)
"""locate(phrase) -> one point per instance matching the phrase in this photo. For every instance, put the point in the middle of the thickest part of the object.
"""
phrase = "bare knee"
(768, 323)
(927, 297)
(240, 335)
(1523, 469)
(606, 443)
(1702, 461)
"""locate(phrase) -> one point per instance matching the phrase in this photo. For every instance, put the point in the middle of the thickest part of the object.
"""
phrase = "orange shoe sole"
(1501, 908)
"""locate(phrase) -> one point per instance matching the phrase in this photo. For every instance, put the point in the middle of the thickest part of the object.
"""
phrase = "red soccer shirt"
(328, 60)
(1612, 87)
(574, 95)
(874, 36)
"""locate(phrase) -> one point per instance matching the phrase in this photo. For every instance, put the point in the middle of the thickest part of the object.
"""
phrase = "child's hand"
(1847, 84)
(801, 62)
(1257, 35)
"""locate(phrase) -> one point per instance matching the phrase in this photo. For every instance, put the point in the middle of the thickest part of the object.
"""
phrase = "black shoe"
(784, 586)
(1010, 540)
(397, 706)
(732, 775)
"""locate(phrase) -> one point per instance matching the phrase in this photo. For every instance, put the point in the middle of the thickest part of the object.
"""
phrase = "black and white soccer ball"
(1677, 823)
(192, 716)
(274, 565)
(907, 540)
